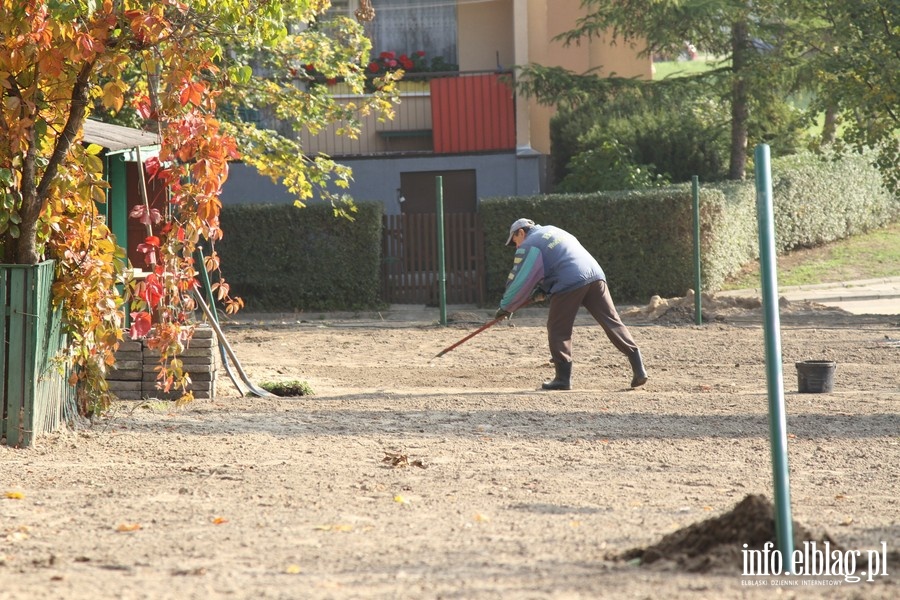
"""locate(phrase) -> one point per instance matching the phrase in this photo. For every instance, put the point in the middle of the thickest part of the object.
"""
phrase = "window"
(407, 26)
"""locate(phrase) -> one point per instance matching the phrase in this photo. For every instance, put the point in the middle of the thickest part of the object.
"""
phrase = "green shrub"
(608, 165)
(820, 199)
(643, 239)
(662, 133)
(282, 258)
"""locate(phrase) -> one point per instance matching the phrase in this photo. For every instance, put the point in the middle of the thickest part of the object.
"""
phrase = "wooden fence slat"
(35, 389)
(4, 328)
(15, 363)
(410, 260)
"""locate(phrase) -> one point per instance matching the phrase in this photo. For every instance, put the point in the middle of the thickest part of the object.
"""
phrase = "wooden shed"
(122, 149)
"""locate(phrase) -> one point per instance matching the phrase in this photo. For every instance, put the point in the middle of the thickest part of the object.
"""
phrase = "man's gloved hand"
(538, 294)
(502, 314)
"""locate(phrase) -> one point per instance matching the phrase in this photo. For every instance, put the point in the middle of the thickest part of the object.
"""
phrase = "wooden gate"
(410, 259)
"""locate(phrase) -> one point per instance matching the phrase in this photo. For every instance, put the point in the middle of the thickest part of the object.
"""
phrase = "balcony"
(438, 113)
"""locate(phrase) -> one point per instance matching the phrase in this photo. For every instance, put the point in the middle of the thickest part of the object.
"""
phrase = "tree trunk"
(34, 194)
(829, 129)
(24, 252)
(740, 105)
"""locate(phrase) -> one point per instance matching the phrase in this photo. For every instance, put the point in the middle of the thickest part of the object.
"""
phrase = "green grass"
(680, 68)
(873, 255)
(289, 389)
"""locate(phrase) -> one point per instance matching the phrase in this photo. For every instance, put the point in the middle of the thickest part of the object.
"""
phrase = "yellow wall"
(549, 18)
(485, 29)
(521, 32)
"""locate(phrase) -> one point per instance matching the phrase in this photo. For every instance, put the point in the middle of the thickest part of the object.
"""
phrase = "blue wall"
(377, 179)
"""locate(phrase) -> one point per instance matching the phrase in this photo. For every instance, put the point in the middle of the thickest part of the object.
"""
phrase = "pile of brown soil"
(716, 545)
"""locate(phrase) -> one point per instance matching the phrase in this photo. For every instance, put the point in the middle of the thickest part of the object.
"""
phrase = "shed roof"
(116, 137)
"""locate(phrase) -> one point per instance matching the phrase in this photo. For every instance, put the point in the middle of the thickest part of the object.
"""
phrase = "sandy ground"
(409, 477)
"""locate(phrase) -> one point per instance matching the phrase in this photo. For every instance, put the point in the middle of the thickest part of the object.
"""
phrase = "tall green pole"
(695, 189)
(777, 419)
(442, 274)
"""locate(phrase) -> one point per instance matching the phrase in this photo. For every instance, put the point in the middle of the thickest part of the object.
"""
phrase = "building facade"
(466, 124)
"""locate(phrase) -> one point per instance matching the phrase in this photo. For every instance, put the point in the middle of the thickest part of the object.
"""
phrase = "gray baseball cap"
(519, 224)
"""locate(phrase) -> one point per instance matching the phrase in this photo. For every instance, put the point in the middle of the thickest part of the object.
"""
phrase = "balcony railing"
(438, 113)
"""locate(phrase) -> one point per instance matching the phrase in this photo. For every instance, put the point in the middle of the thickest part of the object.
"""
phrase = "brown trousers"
(596, 299)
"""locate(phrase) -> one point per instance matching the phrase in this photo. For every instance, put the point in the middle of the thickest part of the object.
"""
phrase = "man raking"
(550, 262)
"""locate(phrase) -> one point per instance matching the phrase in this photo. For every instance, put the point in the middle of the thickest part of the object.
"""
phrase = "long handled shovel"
(490, 323)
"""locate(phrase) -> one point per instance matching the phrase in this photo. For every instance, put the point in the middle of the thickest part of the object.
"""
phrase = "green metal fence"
(37, 397)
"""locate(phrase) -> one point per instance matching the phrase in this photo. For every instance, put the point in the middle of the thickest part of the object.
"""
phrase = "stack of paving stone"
(134, 374)
(125, 379)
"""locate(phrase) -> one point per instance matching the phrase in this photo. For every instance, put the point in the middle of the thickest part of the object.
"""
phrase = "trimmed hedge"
(283, 258)
(643, 239)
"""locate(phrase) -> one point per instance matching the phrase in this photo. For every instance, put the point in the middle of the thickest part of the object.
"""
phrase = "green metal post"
(117, 209)
(695, 189)
(207, 286)
(442, 274)
(777, 419)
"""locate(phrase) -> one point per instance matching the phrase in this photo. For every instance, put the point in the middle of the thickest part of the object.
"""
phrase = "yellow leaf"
(98, 195)
(292, 569)
(400, 499)
(112, 96)
(219, 520)
(125, 527)
(481, 518)
(94, 149)
(15, 495)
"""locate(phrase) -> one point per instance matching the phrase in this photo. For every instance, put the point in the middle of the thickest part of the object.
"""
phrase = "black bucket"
(815, 376)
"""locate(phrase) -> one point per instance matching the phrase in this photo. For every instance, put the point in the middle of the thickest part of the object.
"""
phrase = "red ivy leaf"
(143, 107)
(140, 324)
(151, 290)
(152, 166)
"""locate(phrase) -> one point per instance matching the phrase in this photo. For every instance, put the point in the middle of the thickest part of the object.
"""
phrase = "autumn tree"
(180, 66)
(735, 31)
(851, 52)
(845, 55)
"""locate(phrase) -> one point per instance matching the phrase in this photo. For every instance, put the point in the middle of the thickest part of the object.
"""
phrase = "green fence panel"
(35, 390)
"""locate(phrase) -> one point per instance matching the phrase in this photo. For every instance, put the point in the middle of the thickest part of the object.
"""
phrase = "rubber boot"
(563, 379)
(637, 368)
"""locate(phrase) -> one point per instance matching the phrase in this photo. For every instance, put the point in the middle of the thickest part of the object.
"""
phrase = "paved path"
(862, 297)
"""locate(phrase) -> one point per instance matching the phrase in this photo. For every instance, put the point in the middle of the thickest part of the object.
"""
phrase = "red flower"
(419, 53)
(388, 55)
(373, 67)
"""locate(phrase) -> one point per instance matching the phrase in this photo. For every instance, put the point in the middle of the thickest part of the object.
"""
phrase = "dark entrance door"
(411, 269)
(137, 231)
(419, 191)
